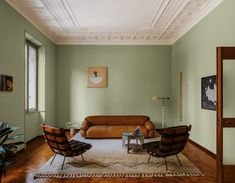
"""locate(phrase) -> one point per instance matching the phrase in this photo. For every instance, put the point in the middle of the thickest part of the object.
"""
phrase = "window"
(31, 75)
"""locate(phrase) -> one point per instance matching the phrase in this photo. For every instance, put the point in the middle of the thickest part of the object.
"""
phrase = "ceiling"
(121, 22)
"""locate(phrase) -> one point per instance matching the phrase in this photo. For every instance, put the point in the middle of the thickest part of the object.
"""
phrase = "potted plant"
(8, 146)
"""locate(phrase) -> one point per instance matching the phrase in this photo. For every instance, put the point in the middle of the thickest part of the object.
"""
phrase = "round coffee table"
(126, 136)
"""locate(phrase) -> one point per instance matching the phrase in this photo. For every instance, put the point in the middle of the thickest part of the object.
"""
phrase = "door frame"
(223, 54)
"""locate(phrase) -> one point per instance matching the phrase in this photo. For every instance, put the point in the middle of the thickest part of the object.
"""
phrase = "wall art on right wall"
(208, 92)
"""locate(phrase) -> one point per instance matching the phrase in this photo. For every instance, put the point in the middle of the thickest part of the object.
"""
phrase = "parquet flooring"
(37, 153)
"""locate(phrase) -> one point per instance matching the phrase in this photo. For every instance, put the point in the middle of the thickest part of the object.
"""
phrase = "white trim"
(74, 42)
(179, 9)
(204, 12)
(32, 21)
(158, 13)
(91, 38)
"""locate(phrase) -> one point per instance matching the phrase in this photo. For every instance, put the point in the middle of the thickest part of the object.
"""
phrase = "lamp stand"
(163, 113)
(163, 107)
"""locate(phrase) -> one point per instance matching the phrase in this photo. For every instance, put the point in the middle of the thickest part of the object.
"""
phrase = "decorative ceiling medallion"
(122, 22)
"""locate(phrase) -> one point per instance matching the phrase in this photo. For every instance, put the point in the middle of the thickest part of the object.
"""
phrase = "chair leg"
(53, 159)
(149, 157)
(82, 158)
(63, 163)
(178, 160)
(166, 163)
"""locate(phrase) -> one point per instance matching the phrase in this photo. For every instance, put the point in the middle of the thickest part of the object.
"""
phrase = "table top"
(129, 134)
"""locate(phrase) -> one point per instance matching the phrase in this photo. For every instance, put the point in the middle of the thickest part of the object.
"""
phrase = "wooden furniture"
(224, 54)
(59, 144)
(173, 141)
(113, 126)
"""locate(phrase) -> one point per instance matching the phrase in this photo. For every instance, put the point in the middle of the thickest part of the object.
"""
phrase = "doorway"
(225, 114)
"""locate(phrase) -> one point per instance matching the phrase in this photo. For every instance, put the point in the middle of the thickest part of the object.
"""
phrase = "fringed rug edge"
(121, 175)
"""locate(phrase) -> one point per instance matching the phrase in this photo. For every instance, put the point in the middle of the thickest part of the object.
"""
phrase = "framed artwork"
(6, 83)
(96, 77)
(208, 92)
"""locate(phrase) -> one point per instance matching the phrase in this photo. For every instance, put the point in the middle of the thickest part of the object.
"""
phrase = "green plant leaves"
(6, 131)
(4, 139)
(2, 150)
(14, 137)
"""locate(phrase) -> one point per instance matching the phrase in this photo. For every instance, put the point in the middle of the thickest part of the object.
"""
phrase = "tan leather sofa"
(113, 126)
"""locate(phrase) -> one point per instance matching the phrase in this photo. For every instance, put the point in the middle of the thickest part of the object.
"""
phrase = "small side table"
(74, 131)
(126, 136)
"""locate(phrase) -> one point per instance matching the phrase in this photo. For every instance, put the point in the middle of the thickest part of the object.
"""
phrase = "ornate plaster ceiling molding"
(132, 22)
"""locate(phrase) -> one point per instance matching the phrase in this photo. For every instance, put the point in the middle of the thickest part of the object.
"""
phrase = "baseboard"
(213, 155)
(39, 136)
(229, 173)
(30, 141)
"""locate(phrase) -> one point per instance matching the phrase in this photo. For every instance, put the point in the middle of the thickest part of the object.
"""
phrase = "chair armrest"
(149, 125)
(189, 128)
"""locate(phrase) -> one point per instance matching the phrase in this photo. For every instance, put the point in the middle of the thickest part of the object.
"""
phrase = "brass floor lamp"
(163, 107)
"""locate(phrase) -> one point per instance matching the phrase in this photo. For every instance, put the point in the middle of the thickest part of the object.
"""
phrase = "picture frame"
(6, 83)
(208, 92)
(96, 77)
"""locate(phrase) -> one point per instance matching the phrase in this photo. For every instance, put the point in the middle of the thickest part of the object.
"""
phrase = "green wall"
(195, 55)
(135, 74)
(12, 36)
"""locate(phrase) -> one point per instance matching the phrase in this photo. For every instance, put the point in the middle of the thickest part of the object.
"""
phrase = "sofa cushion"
(97, 120)
(97, 132)
(127, 120)
(116, 131)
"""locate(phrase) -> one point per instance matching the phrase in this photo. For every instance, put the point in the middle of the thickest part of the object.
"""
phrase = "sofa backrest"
(97, 120)
(117, 120)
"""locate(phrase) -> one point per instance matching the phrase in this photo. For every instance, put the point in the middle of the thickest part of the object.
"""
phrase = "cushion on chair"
(173, 141)
(151, 146)
(79, 147)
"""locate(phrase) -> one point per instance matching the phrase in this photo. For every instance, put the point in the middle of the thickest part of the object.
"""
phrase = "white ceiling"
(147, 22)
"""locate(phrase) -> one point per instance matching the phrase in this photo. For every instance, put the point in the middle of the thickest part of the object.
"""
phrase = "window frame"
(31, 44)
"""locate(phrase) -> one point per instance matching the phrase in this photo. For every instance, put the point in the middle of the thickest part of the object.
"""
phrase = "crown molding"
(203, 13)
(170, 20)
(174, 15)
(45, 32)
(75, 42)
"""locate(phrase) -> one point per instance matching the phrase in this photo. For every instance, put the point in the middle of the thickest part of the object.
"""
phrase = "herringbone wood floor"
(38, 153)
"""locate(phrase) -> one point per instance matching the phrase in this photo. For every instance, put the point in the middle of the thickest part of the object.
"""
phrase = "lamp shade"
(157, 98)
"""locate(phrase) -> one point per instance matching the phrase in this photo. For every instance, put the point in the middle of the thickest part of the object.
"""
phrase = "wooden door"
(225, 172)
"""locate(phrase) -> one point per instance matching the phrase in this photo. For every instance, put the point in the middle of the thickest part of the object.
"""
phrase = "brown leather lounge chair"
(173, 141)
(59, 144)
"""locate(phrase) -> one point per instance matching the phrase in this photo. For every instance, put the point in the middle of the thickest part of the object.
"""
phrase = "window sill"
(31, 112)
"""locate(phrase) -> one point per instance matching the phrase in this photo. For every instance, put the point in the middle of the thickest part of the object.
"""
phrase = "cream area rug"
(107, 158)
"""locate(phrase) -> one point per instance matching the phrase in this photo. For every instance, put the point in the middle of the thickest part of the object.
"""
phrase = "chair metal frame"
(164, 157)
(68, 152)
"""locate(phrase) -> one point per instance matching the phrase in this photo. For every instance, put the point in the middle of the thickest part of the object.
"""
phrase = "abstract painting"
(97, 77)
(208, 95)
(6, 83)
